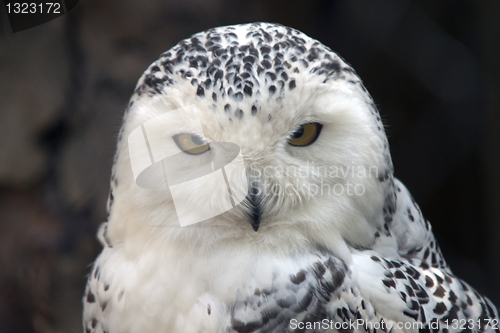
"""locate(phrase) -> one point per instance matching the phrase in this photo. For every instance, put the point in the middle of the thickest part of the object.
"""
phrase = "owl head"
(253, 134)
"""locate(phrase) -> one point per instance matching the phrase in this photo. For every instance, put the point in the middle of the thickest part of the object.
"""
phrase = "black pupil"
(298, 133)
(197, 140)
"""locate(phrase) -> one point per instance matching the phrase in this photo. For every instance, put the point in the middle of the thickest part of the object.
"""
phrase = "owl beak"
(253, 202)
(255, 224)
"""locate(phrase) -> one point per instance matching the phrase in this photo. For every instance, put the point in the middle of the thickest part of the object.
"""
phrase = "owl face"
(262, 129)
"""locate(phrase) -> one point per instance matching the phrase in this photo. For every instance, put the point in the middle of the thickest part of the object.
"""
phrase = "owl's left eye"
(305, 135)
(191, 144)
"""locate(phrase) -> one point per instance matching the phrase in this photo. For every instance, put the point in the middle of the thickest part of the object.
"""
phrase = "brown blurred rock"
(122, 38)
(84, 167)
(34, 71)
(28, 251)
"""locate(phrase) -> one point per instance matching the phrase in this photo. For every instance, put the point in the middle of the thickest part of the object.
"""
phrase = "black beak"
(253, 202)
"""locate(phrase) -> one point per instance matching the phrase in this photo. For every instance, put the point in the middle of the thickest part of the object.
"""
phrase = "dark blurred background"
(433, 68)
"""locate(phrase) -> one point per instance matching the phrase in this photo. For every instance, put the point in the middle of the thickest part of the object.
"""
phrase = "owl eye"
(305, 135)
(191, 144)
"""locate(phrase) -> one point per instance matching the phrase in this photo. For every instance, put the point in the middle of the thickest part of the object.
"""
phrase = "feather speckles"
(306, 293)
(234, 64)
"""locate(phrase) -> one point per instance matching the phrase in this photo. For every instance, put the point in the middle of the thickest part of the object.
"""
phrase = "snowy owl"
(253, 191)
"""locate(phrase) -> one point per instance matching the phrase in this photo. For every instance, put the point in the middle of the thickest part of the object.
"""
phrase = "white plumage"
(325, 237)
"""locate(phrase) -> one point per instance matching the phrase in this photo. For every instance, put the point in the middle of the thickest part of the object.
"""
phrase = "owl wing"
(98, 296)
(401, 279)
(366, 296)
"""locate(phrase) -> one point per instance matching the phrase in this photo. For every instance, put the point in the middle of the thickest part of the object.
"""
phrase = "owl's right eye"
(305, 135)
(191, 144)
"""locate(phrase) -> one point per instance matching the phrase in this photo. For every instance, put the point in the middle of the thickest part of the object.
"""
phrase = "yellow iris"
(305, 135)
(191, 143)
